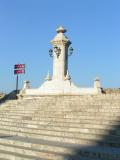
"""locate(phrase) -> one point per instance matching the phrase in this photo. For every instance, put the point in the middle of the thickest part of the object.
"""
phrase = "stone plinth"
(54, 87)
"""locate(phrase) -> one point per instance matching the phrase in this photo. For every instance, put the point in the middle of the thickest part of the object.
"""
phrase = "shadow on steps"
(108, 148)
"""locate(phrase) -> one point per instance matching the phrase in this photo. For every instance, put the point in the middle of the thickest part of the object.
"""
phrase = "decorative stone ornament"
(61, 29)
(70, 51)
(51, 52)
(57, 50)
(48, 77)
(67, 76)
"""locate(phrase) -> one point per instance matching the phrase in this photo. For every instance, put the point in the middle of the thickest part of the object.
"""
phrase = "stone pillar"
(97, 85)
(60, 54)
(26, 85)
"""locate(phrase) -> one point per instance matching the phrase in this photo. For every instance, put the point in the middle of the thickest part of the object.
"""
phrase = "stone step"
(34, 153)
(102, 153)
(48, 146)
(95, 117)
(38, 118)
(53, 138)
(83, 139)
(89, 108)
(72, 132)
(62, 114)
(68, 104)
(16, 156)
(61, 120)
(76, 102)
(64, 110)
(65, 127)
(82, 132)
(66, 101)
(73, 117)
(41, 145)
(69, 151)
(71, 98)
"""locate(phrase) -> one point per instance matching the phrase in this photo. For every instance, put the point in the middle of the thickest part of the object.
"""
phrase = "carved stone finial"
(61, 29)
(48, 77)
(97, 82)
(67, 77)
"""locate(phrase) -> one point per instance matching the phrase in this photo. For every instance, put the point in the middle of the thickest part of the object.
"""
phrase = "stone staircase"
(61, 128)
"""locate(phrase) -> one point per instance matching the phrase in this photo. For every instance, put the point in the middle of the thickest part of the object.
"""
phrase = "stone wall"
(2, 95)
(111, 90)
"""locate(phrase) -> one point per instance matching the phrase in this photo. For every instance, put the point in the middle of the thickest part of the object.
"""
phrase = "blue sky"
(27, 26)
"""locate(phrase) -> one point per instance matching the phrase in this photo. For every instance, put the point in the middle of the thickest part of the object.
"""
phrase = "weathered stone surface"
(111, 91)
(61, 127)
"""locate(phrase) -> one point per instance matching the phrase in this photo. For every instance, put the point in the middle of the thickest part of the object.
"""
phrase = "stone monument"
(60, 82)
